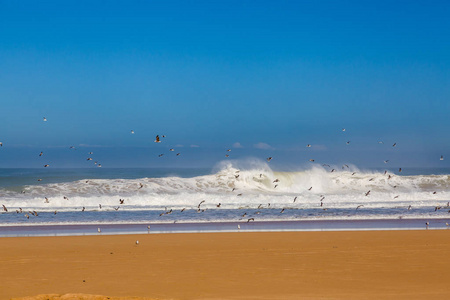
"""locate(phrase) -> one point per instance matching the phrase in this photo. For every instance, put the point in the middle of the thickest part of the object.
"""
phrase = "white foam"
(255, 181)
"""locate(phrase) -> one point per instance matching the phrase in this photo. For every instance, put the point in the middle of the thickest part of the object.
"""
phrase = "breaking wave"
(235, 186)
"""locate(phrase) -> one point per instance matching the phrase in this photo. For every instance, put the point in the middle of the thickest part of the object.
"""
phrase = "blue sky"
(263, 78)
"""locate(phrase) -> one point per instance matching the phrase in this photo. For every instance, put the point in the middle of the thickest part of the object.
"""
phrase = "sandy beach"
(277, 265)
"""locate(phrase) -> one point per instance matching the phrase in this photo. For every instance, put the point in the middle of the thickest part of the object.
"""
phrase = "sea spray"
(250, 187)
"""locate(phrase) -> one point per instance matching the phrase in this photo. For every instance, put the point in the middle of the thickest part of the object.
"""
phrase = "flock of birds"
(199, 208)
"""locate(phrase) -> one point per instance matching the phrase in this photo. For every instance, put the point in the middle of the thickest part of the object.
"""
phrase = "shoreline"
(217, 227)
(395, 264)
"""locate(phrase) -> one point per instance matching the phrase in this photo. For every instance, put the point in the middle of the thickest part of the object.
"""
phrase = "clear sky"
(263, 78)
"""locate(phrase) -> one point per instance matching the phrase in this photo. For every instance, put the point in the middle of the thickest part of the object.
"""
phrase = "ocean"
(254, 195)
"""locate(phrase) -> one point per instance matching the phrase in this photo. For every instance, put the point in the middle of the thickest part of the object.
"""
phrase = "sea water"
(226, 194)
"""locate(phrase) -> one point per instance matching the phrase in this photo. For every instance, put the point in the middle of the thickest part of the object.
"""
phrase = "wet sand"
(412, 264)
(204, 227)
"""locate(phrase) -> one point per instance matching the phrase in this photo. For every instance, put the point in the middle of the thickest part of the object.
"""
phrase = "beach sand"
(271, 265)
